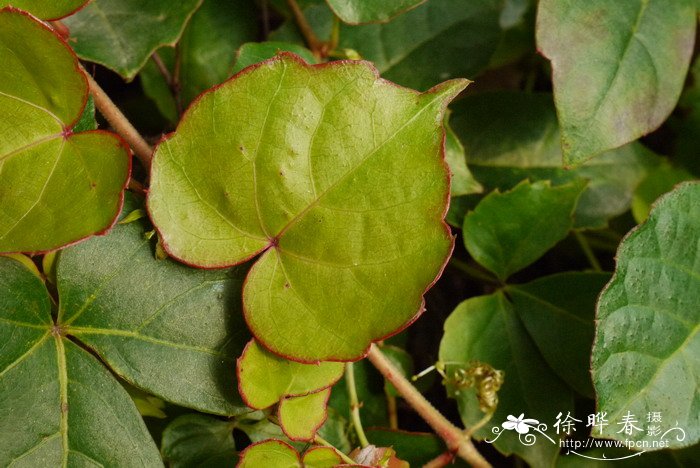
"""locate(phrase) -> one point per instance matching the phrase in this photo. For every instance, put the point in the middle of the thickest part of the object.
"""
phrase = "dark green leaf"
(60, 405)
(558, 313)
(168, 329)
(370, 11)
(634, 56)
(658, 182)
(463, 182)
(512, 136)
(645, 357)
(418, 48)
(508, 231)
(195, 440)
(122, 34)
(46, 9)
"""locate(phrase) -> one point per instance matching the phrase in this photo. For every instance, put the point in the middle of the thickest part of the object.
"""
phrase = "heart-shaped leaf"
(645, 357)
(264, 379)
(46, 9)
(60, 395)
(370, 11)
(300, 417)
(123, 34)
(56, 187)
(335, 178)
(618, 67)
(277, 454)
(508, 231)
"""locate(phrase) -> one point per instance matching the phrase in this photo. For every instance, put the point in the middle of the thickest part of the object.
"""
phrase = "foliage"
(303, 194)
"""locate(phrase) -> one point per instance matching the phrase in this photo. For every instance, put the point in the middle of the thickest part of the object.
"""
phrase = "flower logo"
(521, 425)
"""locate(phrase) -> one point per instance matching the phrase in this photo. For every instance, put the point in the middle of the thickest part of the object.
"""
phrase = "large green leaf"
(618, 67)
(122, 34)
(335, 178)
(59, 405)
(508, 231)
(171, 330)
(645, 357)
(46, 9)
(418, 49)
(511, 136)
(264, 378)
(487, 329)
(558, 313)
(370, 11)
(56, 187)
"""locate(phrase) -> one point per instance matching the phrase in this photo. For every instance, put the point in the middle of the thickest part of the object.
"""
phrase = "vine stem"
(309, 35)
(355, 404)
(441, 460)
(455, 439)
(321, 441)
(119, 122)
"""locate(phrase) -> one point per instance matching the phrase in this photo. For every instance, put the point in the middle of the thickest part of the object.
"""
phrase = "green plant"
(243, 293)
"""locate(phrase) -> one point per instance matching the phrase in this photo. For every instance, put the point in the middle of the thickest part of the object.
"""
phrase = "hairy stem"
(587, 251)
(441, 460)
(354, 404)
(309, 35)
(119, 122)
(321, 441)
(455, 439)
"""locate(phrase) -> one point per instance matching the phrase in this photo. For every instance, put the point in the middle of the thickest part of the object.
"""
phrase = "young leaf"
(558, 312)
(272, 453)
(513, 136)
(198, 440)
(487, 329)
(335, 180)
(634, 56)
(321, 457)
(60, 396)
(300, 417)
(56, 187)
(46, 9)
(646, 344)
(370, 11)
(264, 378)
(508, 231)
(417, 448)
(418, 49)
(168, 329)
(123, 34)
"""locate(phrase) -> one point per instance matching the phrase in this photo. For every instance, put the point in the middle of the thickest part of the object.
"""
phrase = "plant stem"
(587, 251)
(162, 68)
(471, 271)
(355, 404)
(309, 35)
(441, 460)
(321, 441)
(391, 411)
(119, 122)
(455, 439)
